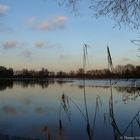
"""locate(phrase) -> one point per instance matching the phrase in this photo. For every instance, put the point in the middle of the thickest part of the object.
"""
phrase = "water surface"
(34, 109)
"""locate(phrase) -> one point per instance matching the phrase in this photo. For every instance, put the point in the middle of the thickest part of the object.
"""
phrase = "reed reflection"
(118, 134)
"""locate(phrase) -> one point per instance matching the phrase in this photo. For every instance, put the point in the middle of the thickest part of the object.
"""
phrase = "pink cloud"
(45, 44)
(10, 44)
(58, 22)
(40, 44)
(3, 9)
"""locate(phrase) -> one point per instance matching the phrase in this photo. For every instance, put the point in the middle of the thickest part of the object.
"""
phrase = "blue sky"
(40, 33)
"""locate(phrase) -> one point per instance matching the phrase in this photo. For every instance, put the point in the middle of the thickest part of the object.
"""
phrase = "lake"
(70, 109)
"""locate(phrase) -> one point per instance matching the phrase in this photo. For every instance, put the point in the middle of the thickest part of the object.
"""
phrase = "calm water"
(35, 109)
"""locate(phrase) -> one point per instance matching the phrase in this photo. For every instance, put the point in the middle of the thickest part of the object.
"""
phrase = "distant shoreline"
(65, 78)
(128, 71)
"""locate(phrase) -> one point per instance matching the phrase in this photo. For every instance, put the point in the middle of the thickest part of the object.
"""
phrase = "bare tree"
(126, 12)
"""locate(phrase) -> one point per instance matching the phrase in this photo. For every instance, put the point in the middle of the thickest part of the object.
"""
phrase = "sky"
(41, 33)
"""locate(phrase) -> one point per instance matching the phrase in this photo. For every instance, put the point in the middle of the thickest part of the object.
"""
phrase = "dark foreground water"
(68, 110)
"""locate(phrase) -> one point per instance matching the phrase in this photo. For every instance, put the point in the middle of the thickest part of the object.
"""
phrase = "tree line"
(120, 71)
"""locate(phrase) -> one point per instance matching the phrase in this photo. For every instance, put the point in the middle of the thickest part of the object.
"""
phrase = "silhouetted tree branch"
(126, 12)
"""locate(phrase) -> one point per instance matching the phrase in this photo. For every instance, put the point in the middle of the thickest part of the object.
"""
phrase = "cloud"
(58, 22)
(3, 9)
(47, 44)
(40, 44)
(26, 53)
(9, 44)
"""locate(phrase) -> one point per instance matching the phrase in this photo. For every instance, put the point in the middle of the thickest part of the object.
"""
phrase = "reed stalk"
(116, 130)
